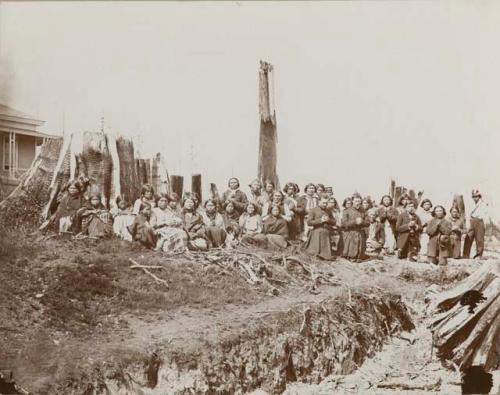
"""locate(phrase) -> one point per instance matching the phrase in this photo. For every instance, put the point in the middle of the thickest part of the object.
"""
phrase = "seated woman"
(193, 224)
(65, 217)
(457, 232)
(141, 230)
(256, 195)
(375, 237)
(96, 220)
(235, 196)
(388, 216)
(173, 203)
(439, 230)
(278, 199)
(409, 228)
(354, 222)
(168, 227)
(251, 226)
(275, 227)
(214, 224)
(147, 196)
(122, 218)
(322, 224)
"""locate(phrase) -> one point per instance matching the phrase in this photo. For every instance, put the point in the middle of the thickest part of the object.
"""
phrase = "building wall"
(26, 151)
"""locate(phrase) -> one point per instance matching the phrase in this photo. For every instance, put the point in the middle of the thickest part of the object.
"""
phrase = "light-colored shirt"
(480, 211)
(251, 223)
(167, 217)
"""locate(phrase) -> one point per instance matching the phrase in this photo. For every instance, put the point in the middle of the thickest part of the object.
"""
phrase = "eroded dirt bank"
(305, 343)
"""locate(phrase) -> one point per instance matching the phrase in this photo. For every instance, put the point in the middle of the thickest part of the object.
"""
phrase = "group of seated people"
(270, 218)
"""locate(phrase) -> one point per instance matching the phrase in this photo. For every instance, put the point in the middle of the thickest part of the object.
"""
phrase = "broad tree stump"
(466, 322)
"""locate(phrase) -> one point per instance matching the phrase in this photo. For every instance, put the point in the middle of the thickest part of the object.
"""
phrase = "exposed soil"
(72, 312)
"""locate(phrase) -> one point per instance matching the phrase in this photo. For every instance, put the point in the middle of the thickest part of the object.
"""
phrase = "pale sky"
(364, 90)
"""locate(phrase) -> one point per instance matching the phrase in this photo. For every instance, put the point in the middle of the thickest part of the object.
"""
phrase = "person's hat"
(476, 192)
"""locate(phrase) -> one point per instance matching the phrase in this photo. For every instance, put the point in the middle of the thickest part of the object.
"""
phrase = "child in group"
(457, 232)
(96, 220)
(439, 230)
(408, 227)
(193, 225)
(147, 196)
(122, 218)
(141, 230)
(251, 226)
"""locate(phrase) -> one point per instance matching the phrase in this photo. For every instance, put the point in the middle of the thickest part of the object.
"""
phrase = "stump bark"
(107, 163)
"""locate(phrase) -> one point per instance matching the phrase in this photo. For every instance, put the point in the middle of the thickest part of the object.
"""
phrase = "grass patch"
(444, 275)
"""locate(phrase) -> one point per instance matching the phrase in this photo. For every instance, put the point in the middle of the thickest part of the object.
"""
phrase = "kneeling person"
(322, 222)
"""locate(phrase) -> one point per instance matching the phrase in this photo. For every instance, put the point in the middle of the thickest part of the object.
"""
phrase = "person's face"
(372, 217)
(275, 211)
(233, 183)
(210, 207)
(386, 201)
(250, 209)
(189, 204)
(230, 208)
(255, 187)
(95, 201)
(146, 211)
(439, 212)
(290, 191)
(277, 198)
(310, 190)
(348, 203)
(356, 202)
(405, 202)
(454, 213)
(122, 205)
(163, 203)
(269, 187)
(410, 207)
(72, 190)
(427, 206)
(148, 195)
(320, 190)
(331, 204)
(172, 204)
(476, 198)
(323, 203)
(365, 204)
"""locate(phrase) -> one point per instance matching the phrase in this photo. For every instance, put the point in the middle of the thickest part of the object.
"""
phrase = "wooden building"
(20, 141)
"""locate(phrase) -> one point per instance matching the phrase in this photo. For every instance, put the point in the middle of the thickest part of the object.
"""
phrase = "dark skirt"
(455, 246)
(215, 235)
(354, 244)
(319, 244)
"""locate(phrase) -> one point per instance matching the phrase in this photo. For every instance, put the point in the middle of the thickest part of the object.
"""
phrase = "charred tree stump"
(466, 323)
(196, 185)
(268, 139)
(177, 185)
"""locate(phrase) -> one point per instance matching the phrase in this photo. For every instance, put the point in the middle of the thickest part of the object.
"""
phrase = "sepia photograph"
(249, 197)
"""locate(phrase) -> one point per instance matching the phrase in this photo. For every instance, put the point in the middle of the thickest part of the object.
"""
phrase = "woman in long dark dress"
(321, 222)
(304, 205)
(457, 231)
(354, 222)
(439, 230)
(65, 217)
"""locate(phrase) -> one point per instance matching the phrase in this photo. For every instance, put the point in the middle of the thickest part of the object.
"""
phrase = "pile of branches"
(273, 272)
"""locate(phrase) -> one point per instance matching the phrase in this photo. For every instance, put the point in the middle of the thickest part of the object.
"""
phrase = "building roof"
(9, 112)
(12, 120)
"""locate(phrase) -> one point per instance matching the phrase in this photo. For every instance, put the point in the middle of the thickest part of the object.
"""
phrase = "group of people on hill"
(271, 218)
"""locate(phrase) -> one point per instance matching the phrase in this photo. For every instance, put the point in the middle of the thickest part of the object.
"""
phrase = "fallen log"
(466, 323)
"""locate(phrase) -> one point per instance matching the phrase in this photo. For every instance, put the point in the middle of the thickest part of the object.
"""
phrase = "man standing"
(477, 226)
